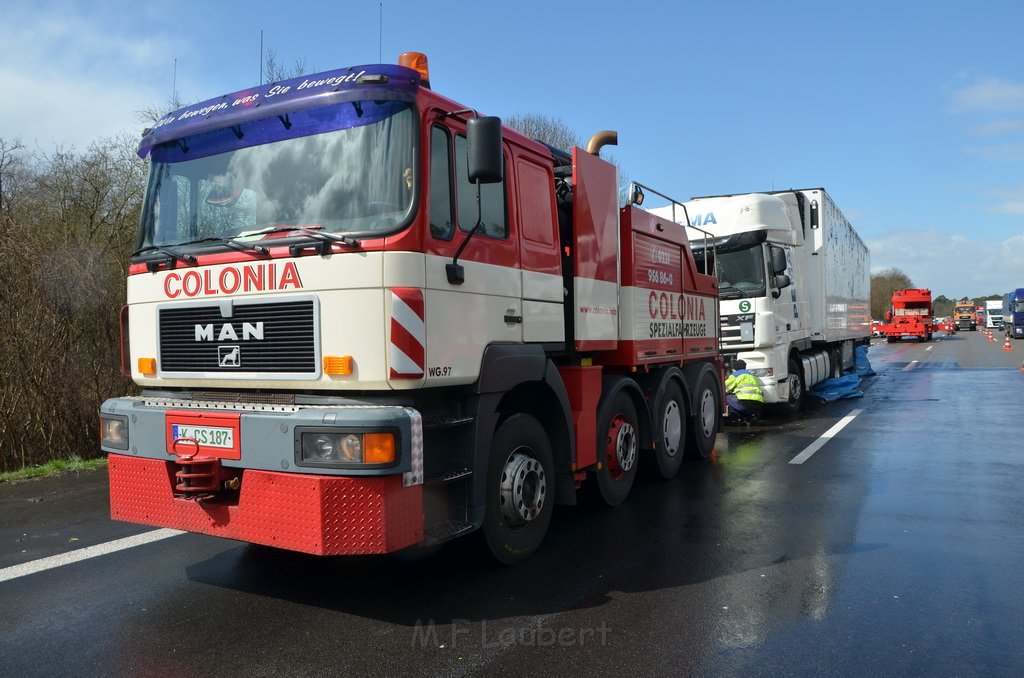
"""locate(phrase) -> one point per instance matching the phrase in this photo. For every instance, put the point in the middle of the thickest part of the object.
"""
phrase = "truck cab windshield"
(345, 168)
(741, 273)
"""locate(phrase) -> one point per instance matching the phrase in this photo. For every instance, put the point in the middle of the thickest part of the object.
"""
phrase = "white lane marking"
(60, 559)
(910, 366)
(929, 348)
(825, 437)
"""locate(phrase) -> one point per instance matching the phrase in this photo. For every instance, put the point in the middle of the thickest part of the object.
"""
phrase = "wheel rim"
(622, 446)
(672, 428)
(523, 488)
(707, 413)
(795, 390)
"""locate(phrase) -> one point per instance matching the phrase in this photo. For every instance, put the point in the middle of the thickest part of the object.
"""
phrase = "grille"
(730, 329)
(276, 338)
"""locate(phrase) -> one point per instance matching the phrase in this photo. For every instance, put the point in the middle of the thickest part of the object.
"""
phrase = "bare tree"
(552, 131)
(10, 159)
(69, 220)
(274, 71)
(555, 132)
(883, 284)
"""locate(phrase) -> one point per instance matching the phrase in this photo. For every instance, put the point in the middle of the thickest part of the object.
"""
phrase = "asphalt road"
(896, 548)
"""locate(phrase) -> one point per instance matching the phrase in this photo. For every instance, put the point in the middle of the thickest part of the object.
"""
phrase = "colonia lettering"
(257, 278)
(669, 306)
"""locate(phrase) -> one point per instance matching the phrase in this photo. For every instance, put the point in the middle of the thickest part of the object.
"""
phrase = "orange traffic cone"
(990, 338)
(1007, 346)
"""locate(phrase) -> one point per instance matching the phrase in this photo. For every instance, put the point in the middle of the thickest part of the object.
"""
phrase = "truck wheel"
(796, 388)
(618, 449)
(520, 489)
(700, 438)
(670, 430)
(835, 369)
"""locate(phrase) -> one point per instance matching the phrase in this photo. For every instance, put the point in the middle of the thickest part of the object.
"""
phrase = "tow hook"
(197, 477)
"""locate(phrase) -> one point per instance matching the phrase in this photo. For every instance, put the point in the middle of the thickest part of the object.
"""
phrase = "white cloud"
(1013, 152)
(997, 128)
(950, 264)
(990, 94)
(70, 78)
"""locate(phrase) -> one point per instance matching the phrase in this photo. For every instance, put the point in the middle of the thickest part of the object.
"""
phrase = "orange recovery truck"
(965, 315)
(910, 316)
(362, 317)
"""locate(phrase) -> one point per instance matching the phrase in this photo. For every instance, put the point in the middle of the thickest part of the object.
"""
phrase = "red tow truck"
(363, 317)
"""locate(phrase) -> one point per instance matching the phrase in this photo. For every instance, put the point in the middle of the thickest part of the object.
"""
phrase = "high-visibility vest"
(744, 386)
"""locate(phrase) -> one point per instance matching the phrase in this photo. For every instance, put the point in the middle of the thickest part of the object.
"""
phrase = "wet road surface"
(897, 548)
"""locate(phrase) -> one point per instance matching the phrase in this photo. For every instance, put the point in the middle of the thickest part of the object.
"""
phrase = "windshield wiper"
(233, 243)
(729, 292)
(323, 236)
(174, 255)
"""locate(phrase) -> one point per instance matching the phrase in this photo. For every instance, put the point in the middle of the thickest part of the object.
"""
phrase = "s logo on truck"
(744, 306)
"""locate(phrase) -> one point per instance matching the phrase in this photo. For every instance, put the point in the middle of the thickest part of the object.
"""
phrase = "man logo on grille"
(229, 356)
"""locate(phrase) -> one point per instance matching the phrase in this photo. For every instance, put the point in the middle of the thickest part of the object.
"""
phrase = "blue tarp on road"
(848, 385)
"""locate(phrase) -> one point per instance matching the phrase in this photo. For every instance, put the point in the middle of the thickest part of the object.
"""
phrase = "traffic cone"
(1007, 346)
(990, 337)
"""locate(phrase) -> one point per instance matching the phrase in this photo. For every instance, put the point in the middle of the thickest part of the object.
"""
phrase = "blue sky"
(911, 117)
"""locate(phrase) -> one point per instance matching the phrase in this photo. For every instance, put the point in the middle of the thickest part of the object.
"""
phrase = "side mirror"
(778, 260)
(781, 281)
(483, 138)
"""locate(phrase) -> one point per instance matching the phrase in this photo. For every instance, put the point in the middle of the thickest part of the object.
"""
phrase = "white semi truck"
(994, 314)
(794, 285)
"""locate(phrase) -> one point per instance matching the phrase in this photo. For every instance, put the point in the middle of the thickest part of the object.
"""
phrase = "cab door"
(462, 319)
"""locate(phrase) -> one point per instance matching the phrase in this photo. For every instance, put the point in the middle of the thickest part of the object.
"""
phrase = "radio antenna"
(380, 33)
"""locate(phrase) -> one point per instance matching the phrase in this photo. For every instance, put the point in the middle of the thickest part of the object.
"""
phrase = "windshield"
(345, 168)
(741, 273)
(967, 310)
(1017, 306)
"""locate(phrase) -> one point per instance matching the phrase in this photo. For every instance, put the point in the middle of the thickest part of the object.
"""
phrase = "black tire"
(520, 489)
(892, 340)
(669, 430)
(618, 450)
(796, 388)
(707, 416)
(836, 369)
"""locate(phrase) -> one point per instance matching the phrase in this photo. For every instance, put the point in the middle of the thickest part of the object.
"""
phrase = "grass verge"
(51, 468)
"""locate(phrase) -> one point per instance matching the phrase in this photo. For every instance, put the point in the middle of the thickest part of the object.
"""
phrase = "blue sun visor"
(378, 83)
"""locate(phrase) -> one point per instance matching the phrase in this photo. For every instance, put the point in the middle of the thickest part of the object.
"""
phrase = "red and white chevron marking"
(408, 334)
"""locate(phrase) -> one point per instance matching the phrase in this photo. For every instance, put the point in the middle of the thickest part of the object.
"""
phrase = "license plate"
(206, 436)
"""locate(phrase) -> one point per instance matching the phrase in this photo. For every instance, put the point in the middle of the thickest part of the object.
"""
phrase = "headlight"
(762, 372)
(114, 431)
(329, 448)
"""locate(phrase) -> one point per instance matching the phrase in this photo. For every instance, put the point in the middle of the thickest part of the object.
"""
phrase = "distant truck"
(910, 316)
(794, 285)
(1013, 313)
(994, 314)
(964, 316)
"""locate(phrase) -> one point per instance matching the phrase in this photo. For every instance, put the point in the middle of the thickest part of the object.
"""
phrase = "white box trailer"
(794, 284)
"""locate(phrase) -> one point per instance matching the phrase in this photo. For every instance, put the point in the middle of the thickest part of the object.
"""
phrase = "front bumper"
(323, 515)
(273, 497)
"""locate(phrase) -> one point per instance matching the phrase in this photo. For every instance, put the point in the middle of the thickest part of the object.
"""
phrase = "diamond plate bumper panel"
(323, 515)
